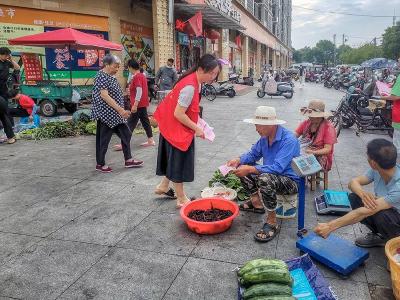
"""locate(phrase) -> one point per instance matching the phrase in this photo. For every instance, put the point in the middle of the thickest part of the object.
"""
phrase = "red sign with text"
(32, 67)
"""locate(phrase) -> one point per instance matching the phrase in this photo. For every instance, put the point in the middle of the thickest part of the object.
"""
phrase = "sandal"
(169, 194)
(250, 207)
(266, 230)
(11, 141)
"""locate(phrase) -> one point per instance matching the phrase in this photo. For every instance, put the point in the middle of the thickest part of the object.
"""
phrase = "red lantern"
(213, 34)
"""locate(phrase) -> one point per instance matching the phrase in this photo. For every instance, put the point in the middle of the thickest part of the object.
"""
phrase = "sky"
(308, 27)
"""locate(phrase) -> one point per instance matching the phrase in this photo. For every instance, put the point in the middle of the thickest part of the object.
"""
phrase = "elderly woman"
(108, 110)
(318, 135)
(177, 117)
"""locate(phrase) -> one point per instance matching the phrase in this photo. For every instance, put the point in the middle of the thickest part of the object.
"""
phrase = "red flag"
(238, 41)
(196, 24)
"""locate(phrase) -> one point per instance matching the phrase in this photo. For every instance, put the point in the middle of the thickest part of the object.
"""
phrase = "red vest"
(177, 134)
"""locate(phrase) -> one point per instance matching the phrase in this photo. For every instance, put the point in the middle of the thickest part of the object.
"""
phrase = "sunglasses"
(307, 110)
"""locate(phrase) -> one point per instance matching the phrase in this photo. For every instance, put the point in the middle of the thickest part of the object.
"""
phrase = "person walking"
(6, 120)
(302, 75)
(139, 101)
(6, 63)
(166, 76)
(177, 117)
(108, 110)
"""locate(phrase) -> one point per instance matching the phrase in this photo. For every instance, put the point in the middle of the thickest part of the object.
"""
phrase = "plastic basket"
(208, 203)
(390, 250)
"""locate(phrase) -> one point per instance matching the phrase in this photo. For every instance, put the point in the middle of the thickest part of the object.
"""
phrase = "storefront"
(188, 50)
(17, 21)
(138, 44)
(235, 51)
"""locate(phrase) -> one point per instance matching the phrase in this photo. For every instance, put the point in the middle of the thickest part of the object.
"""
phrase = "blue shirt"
(391, 191)
(277, 157)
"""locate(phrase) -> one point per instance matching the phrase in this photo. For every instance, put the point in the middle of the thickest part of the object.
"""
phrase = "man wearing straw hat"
(277, 147)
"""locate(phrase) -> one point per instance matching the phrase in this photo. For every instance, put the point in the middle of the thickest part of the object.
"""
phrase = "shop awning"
(211, 16)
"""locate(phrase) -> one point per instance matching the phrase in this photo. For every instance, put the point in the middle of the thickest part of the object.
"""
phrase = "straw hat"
(265, 115)
(315, 109)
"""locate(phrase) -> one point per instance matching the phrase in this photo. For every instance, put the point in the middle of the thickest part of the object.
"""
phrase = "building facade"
(247, 33)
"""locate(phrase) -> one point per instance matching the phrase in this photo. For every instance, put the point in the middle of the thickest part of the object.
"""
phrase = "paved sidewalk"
(67, 232)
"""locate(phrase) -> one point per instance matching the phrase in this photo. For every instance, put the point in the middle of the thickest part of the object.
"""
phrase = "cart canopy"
(66, 37)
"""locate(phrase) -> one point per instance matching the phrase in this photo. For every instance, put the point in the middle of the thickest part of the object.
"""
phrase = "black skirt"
(176, 165)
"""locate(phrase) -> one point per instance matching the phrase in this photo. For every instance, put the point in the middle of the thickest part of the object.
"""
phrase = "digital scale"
(336, 253)
(333, 203)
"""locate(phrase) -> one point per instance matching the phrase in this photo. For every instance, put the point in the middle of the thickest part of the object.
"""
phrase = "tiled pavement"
(67, 232)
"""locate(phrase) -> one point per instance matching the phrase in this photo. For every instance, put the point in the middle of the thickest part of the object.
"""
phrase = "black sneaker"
(370, 240)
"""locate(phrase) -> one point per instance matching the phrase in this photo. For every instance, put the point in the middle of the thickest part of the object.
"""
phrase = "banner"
(32, 66)
(11, 31)
(78, 60)
(138, 44)
(18, 21)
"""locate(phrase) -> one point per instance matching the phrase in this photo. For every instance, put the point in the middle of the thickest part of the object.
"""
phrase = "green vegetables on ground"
(59, 129)
(266, 279)
(230, 181)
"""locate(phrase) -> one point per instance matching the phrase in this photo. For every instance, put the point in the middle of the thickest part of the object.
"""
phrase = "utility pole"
(334, 49)
(394, 16)
(343, 39)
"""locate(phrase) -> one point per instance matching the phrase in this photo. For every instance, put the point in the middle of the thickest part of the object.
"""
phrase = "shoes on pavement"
(133, 164)
(103, 169)
(370, 240)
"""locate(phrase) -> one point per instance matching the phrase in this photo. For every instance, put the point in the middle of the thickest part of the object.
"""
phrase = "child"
(24, 108)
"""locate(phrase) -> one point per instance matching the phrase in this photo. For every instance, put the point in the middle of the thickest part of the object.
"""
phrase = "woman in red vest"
(177, 117)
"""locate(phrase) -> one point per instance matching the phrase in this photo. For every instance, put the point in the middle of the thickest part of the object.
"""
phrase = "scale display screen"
(306, 165)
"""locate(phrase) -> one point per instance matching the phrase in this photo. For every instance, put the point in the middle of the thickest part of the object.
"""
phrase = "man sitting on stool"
(277, 147)
(378, 211)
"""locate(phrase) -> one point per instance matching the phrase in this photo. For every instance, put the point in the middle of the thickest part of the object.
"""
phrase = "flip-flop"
(266, 229)
(117, 147)
(251, 208)
(169, 194)
(147, 144)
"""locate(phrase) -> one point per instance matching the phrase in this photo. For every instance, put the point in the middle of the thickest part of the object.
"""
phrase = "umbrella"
(379, 63)
(65, 37)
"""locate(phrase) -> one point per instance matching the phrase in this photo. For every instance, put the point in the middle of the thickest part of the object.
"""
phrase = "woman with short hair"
(108, 110)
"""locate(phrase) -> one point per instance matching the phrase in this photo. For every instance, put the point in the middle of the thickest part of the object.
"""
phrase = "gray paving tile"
(127, 274)
(162, 232)
(46, 269)
(233, 248)
(348, 289)
(202, 279)
(13, 244)
(105, 224)
(45, 217)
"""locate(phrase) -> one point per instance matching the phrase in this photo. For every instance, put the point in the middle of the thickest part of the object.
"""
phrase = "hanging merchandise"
(213, 35)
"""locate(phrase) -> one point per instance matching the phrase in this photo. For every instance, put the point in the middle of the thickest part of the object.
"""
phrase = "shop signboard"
(19, 21)
(226, 7)
(183, 39)
(138, 44)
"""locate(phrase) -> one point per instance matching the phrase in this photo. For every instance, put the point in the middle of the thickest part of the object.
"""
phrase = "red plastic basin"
(208, 203)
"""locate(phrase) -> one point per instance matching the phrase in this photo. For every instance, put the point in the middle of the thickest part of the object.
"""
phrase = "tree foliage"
(323, 52)
(391, 42)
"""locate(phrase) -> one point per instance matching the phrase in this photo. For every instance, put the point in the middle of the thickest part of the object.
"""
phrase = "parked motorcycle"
(283, 89)
(224, 88)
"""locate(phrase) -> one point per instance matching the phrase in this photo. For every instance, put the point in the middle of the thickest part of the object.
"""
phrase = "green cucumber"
(273, 298)
(262, 262)
(267, 289)
(266, 274)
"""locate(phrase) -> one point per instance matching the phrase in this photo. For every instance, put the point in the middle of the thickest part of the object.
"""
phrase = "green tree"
(323, 52)
(340, 51)
(391, 42)
(358, 55)
(297, 56)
